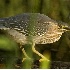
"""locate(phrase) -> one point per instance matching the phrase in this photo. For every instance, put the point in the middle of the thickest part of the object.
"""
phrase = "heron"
(35, 26)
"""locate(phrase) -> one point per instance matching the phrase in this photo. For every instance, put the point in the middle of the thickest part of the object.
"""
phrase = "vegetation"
(56, 9)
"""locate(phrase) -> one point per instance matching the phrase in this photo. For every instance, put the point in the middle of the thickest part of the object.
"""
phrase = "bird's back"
(37, 26)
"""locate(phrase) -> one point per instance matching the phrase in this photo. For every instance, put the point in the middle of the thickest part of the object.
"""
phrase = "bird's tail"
(3, 21)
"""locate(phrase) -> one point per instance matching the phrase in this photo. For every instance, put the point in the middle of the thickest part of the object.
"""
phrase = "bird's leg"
(27, 60)
(35, 51)
(26, 56)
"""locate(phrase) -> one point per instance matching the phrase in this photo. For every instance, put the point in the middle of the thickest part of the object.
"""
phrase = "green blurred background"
(55, 9)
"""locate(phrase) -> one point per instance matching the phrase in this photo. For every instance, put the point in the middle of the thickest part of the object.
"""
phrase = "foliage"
(56, 9)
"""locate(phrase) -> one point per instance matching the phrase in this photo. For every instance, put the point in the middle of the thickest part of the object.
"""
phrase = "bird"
(33, 28)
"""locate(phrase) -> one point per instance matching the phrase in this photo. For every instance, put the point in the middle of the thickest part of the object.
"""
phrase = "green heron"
(39, 27)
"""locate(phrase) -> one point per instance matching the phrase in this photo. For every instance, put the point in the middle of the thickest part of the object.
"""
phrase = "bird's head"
(64, 26)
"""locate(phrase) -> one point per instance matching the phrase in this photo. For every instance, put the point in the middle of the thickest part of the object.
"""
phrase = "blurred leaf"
(46, 64)
(10, 51)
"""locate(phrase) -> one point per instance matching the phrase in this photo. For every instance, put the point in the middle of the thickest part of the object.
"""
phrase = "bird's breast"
(47, 38)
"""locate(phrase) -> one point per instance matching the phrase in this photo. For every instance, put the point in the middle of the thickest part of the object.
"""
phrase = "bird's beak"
(67, 28)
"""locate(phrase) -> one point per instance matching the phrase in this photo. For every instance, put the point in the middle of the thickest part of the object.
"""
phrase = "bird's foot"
(25, 59)
(43, 59)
